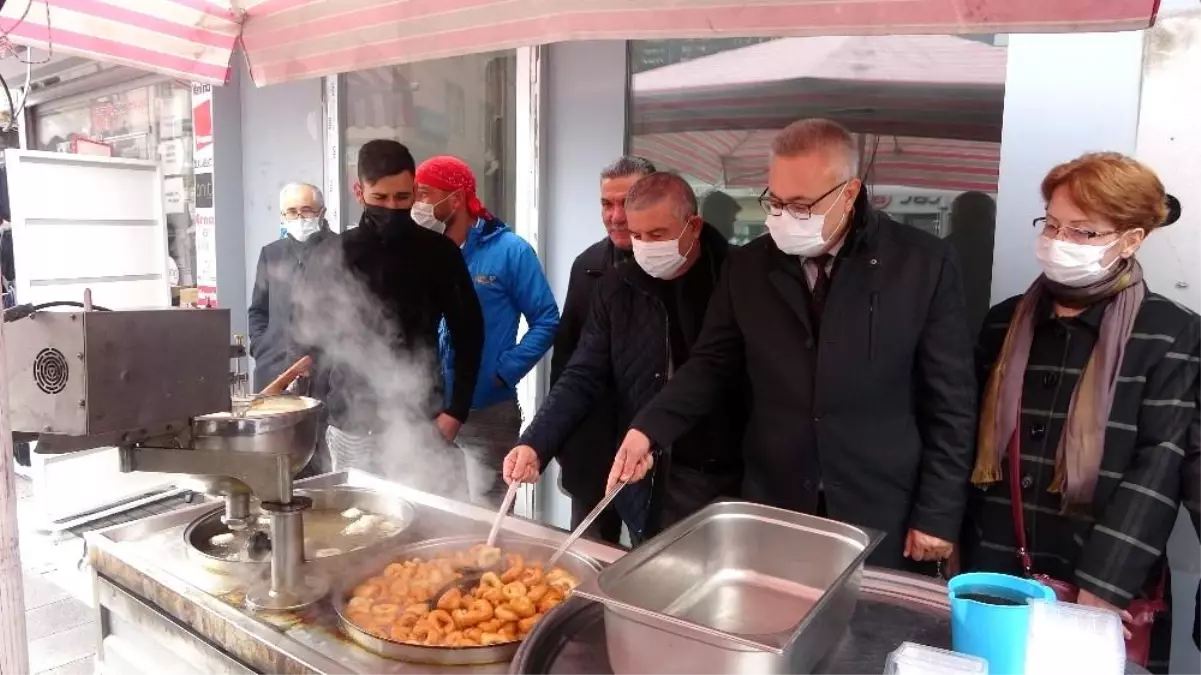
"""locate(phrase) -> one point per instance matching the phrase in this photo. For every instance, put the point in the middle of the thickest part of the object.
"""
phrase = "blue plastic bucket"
(990, 615)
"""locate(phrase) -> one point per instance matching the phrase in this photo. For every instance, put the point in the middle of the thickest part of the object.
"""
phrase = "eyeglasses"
(1075, 235)
(774, 207)
(303, 212)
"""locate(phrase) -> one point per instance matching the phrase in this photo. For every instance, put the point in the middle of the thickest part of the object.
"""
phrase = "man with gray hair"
(587, 454)
(302, 229)
(852, 332)
(645, 317)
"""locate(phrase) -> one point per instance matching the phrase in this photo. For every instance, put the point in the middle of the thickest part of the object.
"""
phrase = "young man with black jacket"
(586, 455)
(645, 318)
(373, 300)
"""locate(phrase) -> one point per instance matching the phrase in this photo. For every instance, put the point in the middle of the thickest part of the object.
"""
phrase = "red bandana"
(449, 174)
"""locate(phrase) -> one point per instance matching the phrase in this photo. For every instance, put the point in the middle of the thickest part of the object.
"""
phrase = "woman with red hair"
(1090, 385)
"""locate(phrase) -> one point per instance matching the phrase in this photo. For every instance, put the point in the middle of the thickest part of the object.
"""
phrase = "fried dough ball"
(451, 599)
(526, 625)
(516, 567)
(515, 590)
(524, 608)
(399, 603)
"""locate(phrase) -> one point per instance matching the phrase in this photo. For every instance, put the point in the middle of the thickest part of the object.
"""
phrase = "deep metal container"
(580, 566)
(735, 588)
(199, 533)
(292, 433)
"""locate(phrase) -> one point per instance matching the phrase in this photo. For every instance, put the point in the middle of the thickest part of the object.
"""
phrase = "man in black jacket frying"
(373, 299)
(852, 331)
(586, 455)
(643, 322)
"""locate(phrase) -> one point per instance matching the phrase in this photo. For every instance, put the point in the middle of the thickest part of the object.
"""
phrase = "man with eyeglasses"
(281, 263)
(852, 333)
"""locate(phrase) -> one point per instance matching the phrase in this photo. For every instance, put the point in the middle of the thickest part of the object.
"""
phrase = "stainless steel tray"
(893, 607)
(582, 567)
(736, 587)
(204, 528)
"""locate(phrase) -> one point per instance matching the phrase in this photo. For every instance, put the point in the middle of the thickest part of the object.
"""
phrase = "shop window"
(925, 109)
(462, 106)
(147, 122)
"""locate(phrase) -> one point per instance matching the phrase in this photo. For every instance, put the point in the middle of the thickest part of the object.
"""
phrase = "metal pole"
(14, 649)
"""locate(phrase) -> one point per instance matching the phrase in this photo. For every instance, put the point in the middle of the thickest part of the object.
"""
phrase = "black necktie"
(821, 287)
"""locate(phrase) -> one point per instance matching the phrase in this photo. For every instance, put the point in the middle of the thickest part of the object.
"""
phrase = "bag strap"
(1015, 502)
(1019, 518)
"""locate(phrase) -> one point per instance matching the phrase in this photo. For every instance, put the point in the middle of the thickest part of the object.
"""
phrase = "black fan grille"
(50, 371)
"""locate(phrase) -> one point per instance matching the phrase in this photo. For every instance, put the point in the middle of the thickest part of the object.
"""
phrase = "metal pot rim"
(227, 424)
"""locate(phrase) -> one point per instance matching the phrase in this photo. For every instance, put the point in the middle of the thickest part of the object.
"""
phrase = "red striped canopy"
(739, 158)
(295, 39)
(191, 39)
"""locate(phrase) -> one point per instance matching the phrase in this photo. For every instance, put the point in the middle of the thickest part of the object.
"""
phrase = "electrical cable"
(21, 311)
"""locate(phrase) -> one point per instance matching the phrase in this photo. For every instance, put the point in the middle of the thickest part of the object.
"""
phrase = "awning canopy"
(914, 85)
(190, 39)
(739, 159)
(296, 39)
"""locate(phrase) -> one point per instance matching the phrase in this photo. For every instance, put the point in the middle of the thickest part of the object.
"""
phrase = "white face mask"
(661, 259)
(423, 215)
(801, 237)
(1071, 264)
(302, 228)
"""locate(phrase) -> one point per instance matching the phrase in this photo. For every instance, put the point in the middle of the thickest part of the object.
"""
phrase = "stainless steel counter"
(159, 610)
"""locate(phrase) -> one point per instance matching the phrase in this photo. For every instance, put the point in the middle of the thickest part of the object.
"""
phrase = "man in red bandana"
(510, 283)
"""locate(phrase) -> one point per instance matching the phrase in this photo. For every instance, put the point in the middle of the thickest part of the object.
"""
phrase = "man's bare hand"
(448, 426)
(926, 548)
(522, 465)
(633, 460)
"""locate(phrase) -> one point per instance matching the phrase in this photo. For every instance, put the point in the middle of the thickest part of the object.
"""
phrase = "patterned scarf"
(1078, 458)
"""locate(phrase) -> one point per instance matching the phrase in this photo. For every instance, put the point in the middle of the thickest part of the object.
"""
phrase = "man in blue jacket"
(510, 283)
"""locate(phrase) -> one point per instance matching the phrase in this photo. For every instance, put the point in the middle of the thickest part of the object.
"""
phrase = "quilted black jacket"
(623, 350)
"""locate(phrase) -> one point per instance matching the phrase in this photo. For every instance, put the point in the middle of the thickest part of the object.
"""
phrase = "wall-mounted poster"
(206, 220)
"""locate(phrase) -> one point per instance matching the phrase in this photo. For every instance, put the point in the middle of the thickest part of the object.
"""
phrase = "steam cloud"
(377, 370)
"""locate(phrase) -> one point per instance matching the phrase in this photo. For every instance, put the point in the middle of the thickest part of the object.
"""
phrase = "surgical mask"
(661, 259)
(800, 237)
(302, 228)
(1071, 264)
(423, 215)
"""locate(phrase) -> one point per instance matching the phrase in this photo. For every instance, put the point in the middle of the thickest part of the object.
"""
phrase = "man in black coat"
(586, 455)
(281, 265)
(852, 331)
(643, 323)
(373, 299)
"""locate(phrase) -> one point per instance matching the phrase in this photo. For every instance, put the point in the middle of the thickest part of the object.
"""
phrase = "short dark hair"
(656, 187)
(384, 157)
(630, 165)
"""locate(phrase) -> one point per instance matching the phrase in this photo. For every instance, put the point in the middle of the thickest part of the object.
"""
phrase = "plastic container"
(990, 616)
(914, 659)
(1067, 638)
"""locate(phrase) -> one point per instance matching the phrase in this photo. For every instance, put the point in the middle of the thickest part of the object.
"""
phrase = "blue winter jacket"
(509, 283)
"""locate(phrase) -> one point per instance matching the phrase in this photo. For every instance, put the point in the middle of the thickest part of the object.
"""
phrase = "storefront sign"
(172, 156)
(202, 115)
(173, 197)
(205, 217)
(333, 159)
